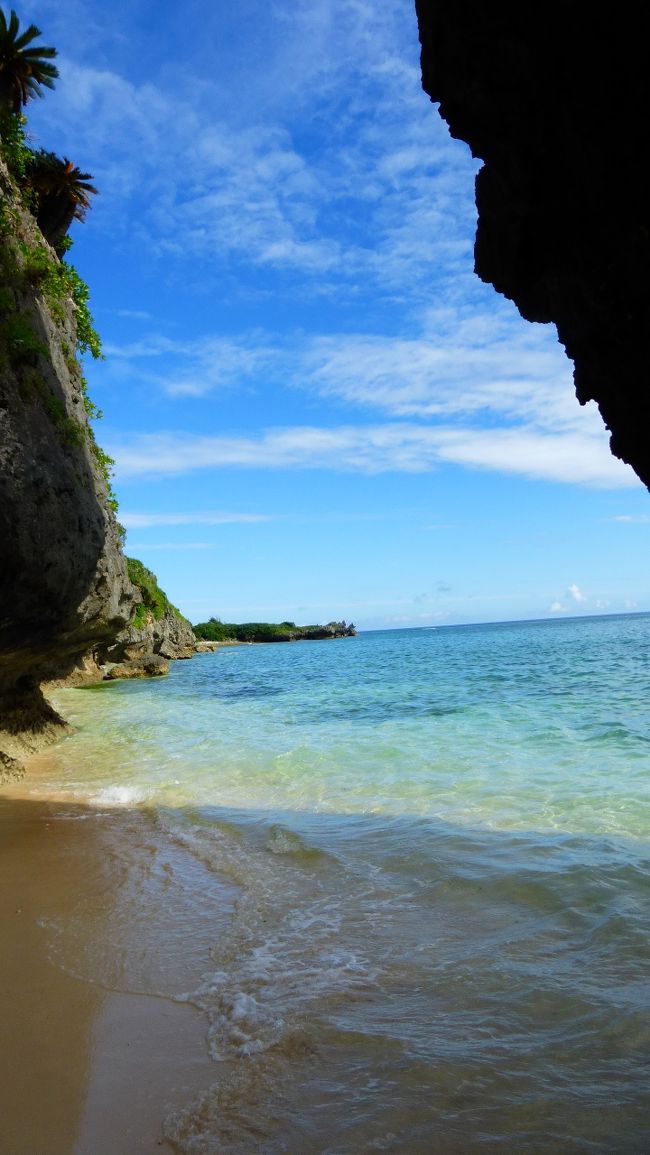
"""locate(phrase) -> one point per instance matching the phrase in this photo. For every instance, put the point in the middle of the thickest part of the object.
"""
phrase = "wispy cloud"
(147, 520)
(191, 367)
(465, 362)
(462, 361)
(375, 192)
(134, 314)
(174, 546)
(489, 392)
(566, 457)
(576, 593)
(574, 458)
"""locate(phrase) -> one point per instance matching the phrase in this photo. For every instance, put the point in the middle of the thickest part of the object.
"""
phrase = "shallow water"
(440, 844)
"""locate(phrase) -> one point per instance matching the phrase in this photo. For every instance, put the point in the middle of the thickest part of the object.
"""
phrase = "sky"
(316, 409)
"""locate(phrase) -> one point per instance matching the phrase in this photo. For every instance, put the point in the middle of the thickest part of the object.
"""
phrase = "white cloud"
(190, 368)
(171, 545)
(572, 458)
(492, 393)
(400, 447)
(557, 608)
(202, 184)
(146, 520)
(576, 593)
(134, 314)
(463, 366)
(465, 362)
(330, 162)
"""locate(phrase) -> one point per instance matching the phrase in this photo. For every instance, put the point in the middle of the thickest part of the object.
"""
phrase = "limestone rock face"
(169, 636)
(173, 637)
(64, 587)
(554, 99)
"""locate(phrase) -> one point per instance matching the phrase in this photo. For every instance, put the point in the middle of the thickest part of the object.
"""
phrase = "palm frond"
(25, 67)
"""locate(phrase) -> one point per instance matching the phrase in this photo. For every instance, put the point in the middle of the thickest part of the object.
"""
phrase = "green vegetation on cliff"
(49, 192)
(154, 600)
(217, 631)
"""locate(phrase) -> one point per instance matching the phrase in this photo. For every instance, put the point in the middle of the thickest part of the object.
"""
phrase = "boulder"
(148, 666)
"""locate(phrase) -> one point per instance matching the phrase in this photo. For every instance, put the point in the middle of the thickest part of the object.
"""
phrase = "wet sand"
(98, 938)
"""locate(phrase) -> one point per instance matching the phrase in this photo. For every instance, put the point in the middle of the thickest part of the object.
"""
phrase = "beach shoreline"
(98, 1046)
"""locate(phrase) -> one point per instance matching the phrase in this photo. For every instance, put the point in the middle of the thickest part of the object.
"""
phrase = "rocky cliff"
(554, 100)
(156, 627)
(64, 587)
(170, 636)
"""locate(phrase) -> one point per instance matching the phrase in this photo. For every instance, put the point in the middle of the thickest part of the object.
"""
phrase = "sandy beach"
(95, 948)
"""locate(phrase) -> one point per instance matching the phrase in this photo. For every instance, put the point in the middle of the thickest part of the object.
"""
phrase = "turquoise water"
(441, 844)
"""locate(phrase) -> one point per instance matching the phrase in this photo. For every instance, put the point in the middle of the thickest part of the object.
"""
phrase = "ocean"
(438, 845)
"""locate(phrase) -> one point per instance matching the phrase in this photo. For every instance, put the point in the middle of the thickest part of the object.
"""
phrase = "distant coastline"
(215, 630)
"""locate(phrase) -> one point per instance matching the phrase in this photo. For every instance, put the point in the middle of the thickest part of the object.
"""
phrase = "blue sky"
(316, 409)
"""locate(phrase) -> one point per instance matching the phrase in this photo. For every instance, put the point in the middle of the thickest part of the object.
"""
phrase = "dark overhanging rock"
(554, 99)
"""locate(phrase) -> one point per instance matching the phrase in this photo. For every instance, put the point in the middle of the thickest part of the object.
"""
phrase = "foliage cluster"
(15, 150)
(154, 601)
(25, 67)
(60, 193)
(28, 265)
(58, 282)
(215, 630)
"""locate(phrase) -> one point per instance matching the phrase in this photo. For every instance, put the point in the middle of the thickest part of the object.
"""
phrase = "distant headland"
(215, 630)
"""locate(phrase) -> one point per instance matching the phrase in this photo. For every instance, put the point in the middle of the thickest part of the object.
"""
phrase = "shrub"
(154, 600)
